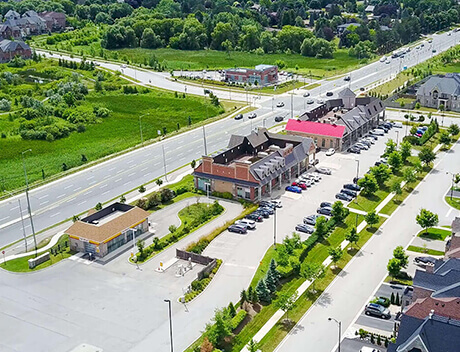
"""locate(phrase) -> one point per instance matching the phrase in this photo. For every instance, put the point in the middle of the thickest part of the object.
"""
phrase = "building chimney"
(430, 316)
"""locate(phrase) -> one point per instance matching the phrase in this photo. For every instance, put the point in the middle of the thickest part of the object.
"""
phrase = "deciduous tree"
(426, 219)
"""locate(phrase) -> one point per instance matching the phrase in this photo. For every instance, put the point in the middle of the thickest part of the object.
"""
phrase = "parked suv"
(377, 310)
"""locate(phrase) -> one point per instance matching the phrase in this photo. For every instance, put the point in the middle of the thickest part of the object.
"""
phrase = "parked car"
(277, 203)
(425, 260)
(239, 117)
(329, 94)
(325, 205)
(354, 150)
(324, 170)
(307, 183)
(237, 229)
(310, 101)
(306, 95)
(365, 142)
(300, 185)
(269, 210)
(315, 178)
(377, 310)
(349, 192)
(304, 228)
(352, 186)
(279, 118)
(361, 146)
(398, 125)
(250, 224)
(311, 219)
(315, 162)
(207, 91)
(280, 104)
(265, 214)
(330, 151)
(324, 211)
(377, 132)
(356, 179)
(343, 196)
(252, 115)
(266, 203)
(347, 78)
(370, 140)
(371, 136)
(294, 189)
(254, 217)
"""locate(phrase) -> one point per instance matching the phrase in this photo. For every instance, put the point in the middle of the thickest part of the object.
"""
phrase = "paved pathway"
(430, 244)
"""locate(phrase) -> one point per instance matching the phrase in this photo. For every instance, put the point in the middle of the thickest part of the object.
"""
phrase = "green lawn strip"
(454, 202)
(434, 234)
(263, 266)
(369, 202)
(22, 265)
(424, 250)
(187, 215)
(276, 334)
(398, 281)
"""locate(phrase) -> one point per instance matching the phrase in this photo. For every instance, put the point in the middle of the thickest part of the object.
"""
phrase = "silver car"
(250, 224)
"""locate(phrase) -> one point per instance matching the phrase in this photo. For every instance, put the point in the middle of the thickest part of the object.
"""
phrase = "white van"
(368, 349)
(398, 124)
(377, 132)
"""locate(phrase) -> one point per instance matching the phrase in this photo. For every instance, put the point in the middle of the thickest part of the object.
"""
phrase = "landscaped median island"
(58, 252)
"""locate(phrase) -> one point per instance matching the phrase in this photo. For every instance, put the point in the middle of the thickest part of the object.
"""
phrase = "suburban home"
(104, 231)
(339, 122)
(446, 307)
(441, 92)
(261, 75)
(341, 28)
(55, 21)
(10, 31)
(251, 166)
(433, 333)
(453, 244)
(11, 48)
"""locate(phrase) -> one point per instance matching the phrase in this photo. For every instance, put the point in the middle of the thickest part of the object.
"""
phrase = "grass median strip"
(454, 202)
(424, 250)
(434, 234)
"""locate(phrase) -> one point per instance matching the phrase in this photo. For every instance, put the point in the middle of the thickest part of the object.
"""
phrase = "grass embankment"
(424, 250)
(59, 251)
(454, 202)
(434, 234)
(115, 133)
(399, 281)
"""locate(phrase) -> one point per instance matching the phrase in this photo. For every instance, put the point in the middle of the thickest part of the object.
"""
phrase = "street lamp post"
(339, 323)
(357, 169)
(452, 185)
(170, 323)
(28, 200)
(22, 220)
(164, 161)
(397, 138)
(204, 141)
(274, 229)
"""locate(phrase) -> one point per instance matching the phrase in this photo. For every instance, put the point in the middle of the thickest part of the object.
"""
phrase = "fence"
(210, 263)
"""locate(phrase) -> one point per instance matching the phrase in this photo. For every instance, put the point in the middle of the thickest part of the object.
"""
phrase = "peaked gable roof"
(346, 93)
(449, 84)
(446, 307)
(12, 45)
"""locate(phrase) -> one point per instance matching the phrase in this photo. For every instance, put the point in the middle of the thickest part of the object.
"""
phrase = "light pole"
(204, 141)
(22, 220)
(357, 169)
(274, 229)
(164, 161)
(170, 323)
(397, 138)
(452, 185)
(339, 323)
(28, 201)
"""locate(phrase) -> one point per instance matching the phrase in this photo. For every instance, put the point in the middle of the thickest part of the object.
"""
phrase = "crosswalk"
(78, 258)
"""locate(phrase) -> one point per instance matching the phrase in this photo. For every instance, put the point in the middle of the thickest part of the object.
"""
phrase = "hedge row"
(199, 285)
(238, 318)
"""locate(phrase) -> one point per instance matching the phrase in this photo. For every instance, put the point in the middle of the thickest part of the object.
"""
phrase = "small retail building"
(251, 166)
(261, 75)
(107, 229)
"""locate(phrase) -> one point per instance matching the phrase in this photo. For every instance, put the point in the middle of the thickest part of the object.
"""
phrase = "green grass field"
(434, 234)
(454, 202)
(116, 133)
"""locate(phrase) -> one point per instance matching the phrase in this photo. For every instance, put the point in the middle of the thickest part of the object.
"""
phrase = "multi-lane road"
(77, 193)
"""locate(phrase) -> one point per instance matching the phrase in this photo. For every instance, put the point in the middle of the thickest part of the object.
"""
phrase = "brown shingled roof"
(101, 233)
(446, 307)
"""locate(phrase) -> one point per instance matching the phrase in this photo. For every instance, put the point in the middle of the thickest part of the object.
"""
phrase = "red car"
(301, 185)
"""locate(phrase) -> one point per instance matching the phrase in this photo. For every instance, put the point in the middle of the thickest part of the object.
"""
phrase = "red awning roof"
(322, 129)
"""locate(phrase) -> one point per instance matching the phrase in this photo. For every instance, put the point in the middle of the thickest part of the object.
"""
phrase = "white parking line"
(55, 214)
(131, 174)
(15, 207)
(60, 196)
(126, 183)
(88, 192)
(450, 211)
(113, 168)
(118, 180)
(119, 171)
(105, 192)
(89, 178)
(82, 202)
(71, 199)
(77, 189)
(68, 187)
(103, 186)
(145, 168)
(4, 218)
(92, 183)
(130, 161)
(106, 177)
(43, 203)
(43, 197)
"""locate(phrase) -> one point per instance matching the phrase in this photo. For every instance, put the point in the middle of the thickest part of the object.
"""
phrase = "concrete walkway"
(430, 244)
(52, 242)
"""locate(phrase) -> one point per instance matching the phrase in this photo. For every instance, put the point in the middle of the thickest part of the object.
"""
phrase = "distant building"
(107, 229)
(338, 122)
(9, 49)
(369, 8)
(55, 21)
(251, 166)
(441, 90)
(453, 244)
(261, 75)
(343, 27)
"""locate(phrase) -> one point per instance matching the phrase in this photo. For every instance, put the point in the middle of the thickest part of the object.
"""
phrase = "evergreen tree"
(262, 292)
(275, 273)
(270, 282)
(231, 309)
(244, 297)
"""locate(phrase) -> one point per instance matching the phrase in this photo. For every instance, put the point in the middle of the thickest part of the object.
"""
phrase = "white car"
(324, 170)
(277, 203)
(250, 224)
(388, 61)
(383, 59)
(377, 132)
(398, 125)
(330, 151)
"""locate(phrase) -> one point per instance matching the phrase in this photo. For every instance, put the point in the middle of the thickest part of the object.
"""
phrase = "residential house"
(261, 75)
(9, 30)
(453, 244)
(441, 92)
(12, 15)
(55, 21)
(341, 28)
(9, 49)
(446, 307)
(251, 166)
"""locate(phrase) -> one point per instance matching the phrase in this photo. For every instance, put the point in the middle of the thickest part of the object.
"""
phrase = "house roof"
(12, 45)
(12, 13)
(456, 225)
(369, 8)
(310, 127)
(432, 334)
(446, 307)
(109, 229)
(448, 84)
(449, 291)
(347, 93)
(434, 281)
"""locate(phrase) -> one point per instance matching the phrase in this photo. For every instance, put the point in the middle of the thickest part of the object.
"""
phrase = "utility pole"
(170, 323)
(292, 99)
(357, 170)
(274, 229)
(28, 200)
(164, 161)
(204, 140)
(140, 127)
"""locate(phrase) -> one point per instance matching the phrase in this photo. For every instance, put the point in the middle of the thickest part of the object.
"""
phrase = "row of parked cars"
(366, 142)
(264, 211)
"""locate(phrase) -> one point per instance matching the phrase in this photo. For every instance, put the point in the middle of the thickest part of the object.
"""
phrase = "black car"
(372, 136)
(324, 211)
(279, 118)
(377, 310)
(343, 196)
(354, 149)
(265, 214)
(425, 260)
(267, 204)
(349, 192)
(310, 220)
(237, 229)
(255, 217)
(356, 179)
(352, 186)
(329, 94)
(304, 228)
(347, 78)
(269, 210)
(325, 205)
(239, 117)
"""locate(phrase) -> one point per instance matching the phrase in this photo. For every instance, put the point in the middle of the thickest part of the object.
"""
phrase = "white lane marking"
(180, 154)
(126, 183)
(15, 207)
(103, 186)
(68, 187)
(77, 189)
(105, 192)
(46, 201)
(43, 197)
(89, 178)
(106, 177)
(71, 199)
(450, 211)
(156, 164)
(131, 174)
(113, 168)
(118, 179)
(4, 218)
(130, 161)
(55, 214)
(119, 171)
(145, 168)
(60, 196)
(82, 202)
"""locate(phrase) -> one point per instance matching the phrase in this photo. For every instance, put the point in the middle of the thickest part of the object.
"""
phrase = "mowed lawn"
(115, 133)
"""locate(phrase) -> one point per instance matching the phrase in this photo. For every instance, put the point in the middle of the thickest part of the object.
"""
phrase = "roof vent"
(430, 316)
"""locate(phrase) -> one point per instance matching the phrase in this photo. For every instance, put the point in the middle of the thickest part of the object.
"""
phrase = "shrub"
(238, 318)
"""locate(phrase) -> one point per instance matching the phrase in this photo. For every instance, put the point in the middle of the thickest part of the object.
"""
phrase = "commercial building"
(261, 75)
(339, 122)
(11, 48)
(251, 166)
(441, 92)
(107, 229)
